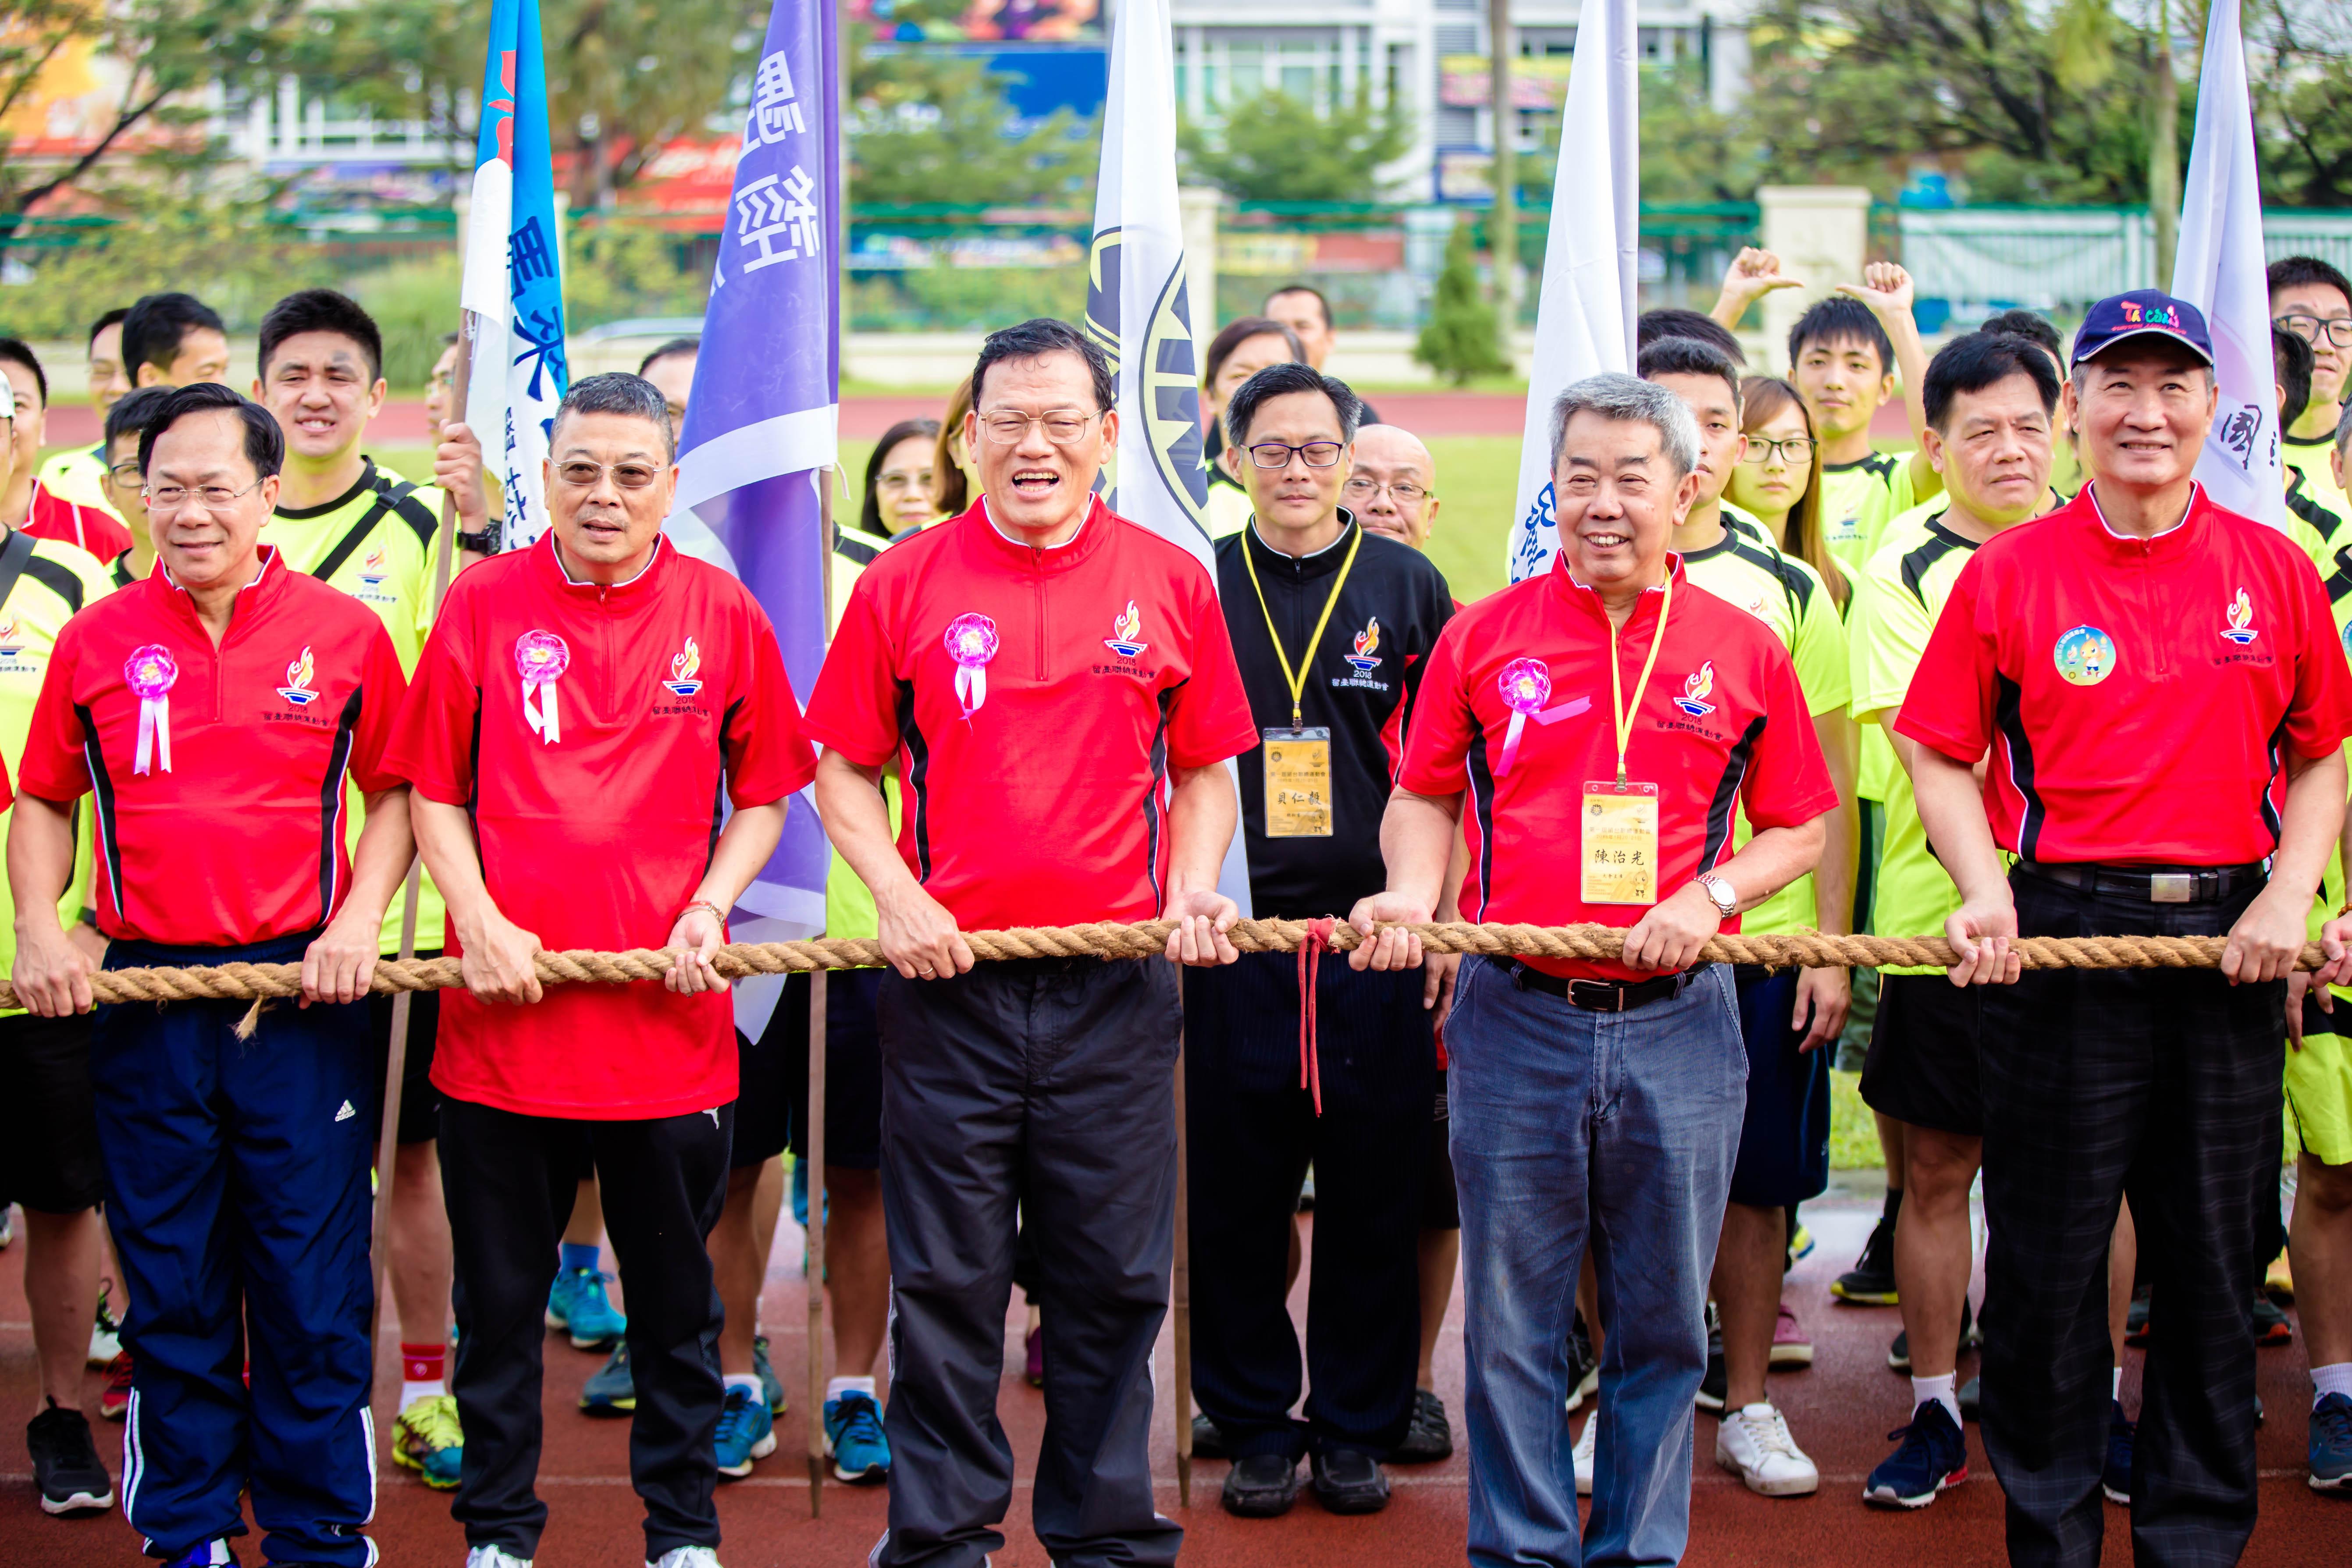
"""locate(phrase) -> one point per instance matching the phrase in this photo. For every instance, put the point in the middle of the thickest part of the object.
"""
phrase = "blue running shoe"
(612, 1390)
(853, 1430)
(745, 1432)
(2331, 1444)
(576, 1302)
(2115, 1479)
(1933, 1455)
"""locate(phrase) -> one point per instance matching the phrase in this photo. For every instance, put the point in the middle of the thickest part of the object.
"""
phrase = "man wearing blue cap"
(2153, 688)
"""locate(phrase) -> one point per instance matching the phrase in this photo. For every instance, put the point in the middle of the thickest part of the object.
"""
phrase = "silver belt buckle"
(2171, 887)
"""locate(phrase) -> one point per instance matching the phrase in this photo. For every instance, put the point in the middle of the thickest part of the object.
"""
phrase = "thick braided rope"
(250, 981)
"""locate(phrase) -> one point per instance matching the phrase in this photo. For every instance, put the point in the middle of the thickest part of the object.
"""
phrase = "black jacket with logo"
(1361, 685)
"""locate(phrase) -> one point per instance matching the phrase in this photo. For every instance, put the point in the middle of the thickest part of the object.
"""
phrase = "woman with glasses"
(1245, 348)
(900, 477)
(1778, 479)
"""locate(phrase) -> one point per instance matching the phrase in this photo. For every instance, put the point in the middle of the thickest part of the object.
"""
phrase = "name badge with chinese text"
(1620, 855)
(1299, 784)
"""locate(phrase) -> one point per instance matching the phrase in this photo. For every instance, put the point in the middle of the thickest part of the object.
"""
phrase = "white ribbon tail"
(542, 721)
(154, 735)
(1511, 742)
(971, 686)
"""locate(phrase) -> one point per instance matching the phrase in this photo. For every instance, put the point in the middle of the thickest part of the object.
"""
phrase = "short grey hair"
(1626, 398)
(618, 392)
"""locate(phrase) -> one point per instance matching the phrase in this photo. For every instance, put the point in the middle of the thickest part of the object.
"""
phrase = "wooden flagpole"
(396, 1067)
(1180, 1296)
(814, 1144)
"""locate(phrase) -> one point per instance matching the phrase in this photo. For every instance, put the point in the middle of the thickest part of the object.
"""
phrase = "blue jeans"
(1624, 1125)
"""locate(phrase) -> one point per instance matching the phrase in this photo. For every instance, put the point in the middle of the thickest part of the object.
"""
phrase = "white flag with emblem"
(2219, 269)
(1584, 315)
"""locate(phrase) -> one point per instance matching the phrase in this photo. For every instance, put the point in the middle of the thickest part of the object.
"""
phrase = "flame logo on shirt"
(1367, 657)
(682, 665)
(1697, 687)
(375, 567)
(1125, 637)
(296, 689)
(2241, 629)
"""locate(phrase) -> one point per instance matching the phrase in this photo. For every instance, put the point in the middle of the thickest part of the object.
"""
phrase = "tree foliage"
(931, 126)
(1461, 340)
(1274, 147)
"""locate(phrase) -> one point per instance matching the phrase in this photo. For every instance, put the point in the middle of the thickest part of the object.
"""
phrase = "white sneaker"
(495, 1557)
(686, 1557)
(1587, 1448)
(1754, 1441)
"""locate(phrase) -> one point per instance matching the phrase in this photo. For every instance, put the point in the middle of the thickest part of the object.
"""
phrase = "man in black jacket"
(1330, 624)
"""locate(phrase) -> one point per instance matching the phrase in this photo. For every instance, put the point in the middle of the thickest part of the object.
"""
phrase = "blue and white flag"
(2220, 268)
(1138, 307)
(761, 424)
(514, 279)
(1584, 318)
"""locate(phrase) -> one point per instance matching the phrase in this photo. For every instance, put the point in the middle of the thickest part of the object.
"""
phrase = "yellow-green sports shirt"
(42, 584)
(1858, 500)
(1788, 597)
(1897, 596)
(79, 474)
(377, 541)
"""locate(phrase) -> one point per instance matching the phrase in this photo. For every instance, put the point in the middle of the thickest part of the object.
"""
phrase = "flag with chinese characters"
(759, 444)
(1584, 315)
(514, 281)
(2220, 268)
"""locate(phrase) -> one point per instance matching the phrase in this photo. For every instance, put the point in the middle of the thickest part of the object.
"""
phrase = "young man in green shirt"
(2313, 299)
(1786, 1017)
(79, 473)
(357, 526)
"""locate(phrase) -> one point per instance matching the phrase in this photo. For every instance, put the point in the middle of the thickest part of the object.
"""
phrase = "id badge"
(1620, 855)
(1299, 784)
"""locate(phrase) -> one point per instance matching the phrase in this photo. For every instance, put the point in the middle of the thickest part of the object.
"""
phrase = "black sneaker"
(66, 1470)
(1717, 1383)
(1429, 1439)
(1208, 1443)
(2115, 1477)
(1263, 1486)
(1871, 1281)
(1348, 1480)
(1583, 1364)
(2271, 1325)
(1898, 1354)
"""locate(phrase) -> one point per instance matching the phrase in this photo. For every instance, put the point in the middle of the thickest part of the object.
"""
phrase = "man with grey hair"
(597, 665)
(1597, 722)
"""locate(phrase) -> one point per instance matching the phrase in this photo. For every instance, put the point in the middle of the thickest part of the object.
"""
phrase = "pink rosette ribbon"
(150, 673)
(541, 659)
(971, 642)
(1525, 686)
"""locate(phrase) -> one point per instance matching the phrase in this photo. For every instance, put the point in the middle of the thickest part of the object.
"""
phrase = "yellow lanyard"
(1617, 680)
(1298, 677)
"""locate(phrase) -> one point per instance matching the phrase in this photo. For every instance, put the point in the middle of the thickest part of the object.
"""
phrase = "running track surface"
(865, 418)
(1838, 1409)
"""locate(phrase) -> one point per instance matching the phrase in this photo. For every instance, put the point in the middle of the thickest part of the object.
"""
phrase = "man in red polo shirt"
(2153, 688)
(584, 711)
(1058, 687)
(214, 710)
(1603, 719)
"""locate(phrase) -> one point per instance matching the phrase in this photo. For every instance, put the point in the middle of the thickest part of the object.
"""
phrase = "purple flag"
(762, 422)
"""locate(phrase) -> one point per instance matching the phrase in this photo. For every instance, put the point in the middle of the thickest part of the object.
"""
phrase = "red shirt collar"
(550, 569)
(2188, 534)
(1583, 599)
(996, 546)
(268, 582)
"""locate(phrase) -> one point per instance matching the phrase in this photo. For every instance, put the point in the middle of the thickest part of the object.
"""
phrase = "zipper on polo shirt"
(1037, 584)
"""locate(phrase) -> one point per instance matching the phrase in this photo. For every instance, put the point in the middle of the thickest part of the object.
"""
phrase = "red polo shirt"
(672, 701)
(242, 838)
(51, 516)
(2138, 696)
(1723, 719)
(1035, 700)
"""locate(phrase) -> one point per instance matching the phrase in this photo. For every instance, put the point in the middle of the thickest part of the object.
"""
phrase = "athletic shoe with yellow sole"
(427, 1439)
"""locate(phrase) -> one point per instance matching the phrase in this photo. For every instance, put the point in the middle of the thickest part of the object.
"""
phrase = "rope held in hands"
(1149, 939)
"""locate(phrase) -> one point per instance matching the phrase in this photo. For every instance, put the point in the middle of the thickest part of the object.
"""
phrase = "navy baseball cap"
(2140, 313)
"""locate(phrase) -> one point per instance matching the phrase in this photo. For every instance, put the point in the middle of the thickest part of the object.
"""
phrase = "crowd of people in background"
(1873, 668)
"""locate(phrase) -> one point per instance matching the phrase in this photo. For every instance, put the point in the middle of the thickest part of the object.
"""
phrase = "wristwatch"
(1719, 893)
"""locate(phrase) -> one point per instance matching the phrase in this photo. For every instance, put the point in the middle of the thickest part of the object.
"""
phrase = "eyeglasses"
(1404, 492)
(1796, 451)
(213, 498)
(126, 470)
(2308, 328)
(903, 479)
(1064, 427)
(628, 476)
(1315, 454)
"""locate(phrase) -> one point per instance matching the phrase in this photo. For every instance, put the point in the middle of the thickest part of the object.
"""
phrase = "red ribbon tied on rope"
(1310, 968)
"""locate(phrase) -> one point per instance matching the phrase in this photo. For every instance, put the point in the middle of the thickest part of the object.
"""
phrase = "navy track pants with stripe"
(236, 1177)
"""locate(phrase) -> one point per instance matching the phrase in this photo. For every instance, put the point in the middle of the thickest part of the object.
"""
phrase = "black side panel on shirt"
(49, 575)
(1152, 814)
(14, 557)
(1482, 801)
(856, 550)
(1922, 561)
(1797, 587)
(331, 801)
(2323, 522)
(918, 797)
(1727, 795)
(101, 788)
(2271, 818)
(2007, 717)
(719, 792)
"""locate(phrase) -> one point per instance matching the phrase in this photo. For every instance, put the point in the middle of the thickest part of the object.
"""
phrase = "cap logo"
(2085, 656)
(2139, 315)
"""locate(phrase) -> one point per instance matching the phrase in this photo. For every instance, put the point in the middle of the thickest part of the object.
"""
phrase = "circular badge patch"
(2086, 656)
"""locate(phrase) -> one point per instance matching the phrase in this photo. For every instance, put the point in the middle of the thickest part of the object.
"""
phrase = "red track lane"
(1838, 1410)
